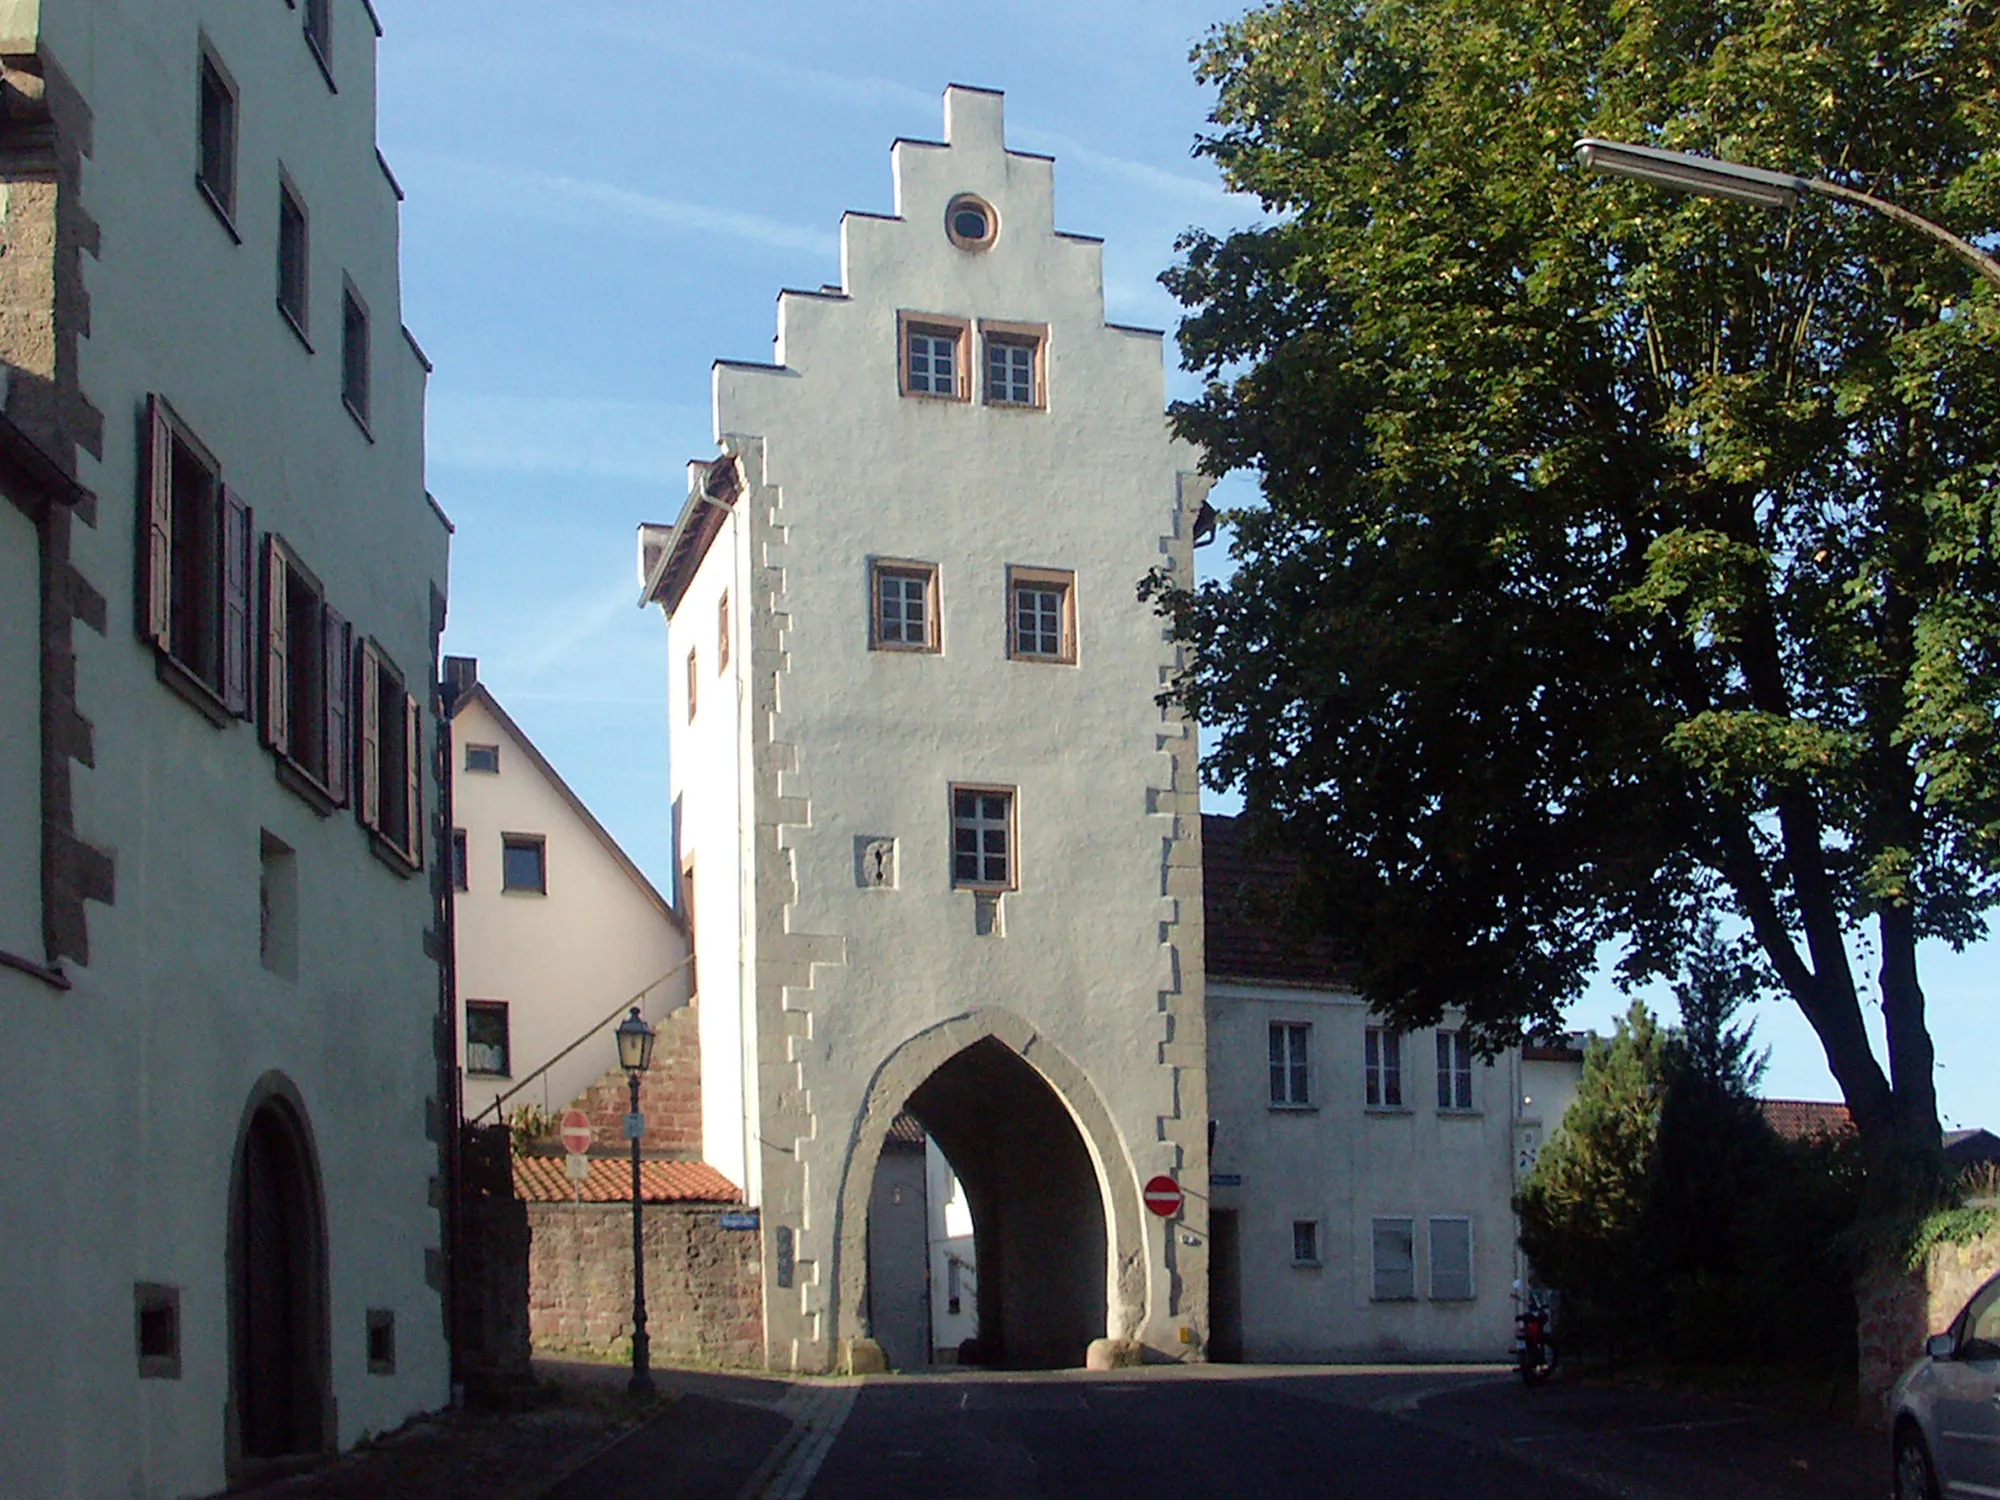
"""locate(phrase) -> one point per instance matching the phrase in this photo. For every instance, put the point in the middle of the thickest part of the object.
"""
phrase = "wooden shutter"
(236, 616)
(367, 685)
(156, 550)
(413, 778)
(277, 657)
(339, 687)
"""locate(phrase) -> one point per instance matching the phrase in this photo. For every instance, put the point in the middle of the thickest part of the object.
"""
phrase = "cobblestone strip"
(817, 1412)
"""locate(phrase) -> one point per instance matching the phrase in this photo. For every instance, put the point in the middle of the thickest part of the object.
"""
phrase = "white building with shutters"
(221, 587)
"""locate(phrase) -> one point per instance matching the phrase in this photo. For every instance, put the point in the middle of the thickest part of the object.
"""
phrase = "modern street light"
(1714, 178)
(635, 1051)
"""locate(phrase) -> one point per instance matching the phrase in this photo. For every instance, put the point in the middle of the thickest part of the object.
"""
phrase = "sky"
(605, 197)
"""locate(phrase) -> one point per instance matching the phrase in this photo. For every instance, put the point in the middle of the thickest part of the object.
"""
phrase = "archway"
(279, 1368)
(1054, 1207)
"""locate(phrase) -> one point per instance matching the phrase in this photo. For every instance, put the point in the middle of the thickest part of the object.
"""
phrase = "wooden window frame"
(722, 634)
(220, 194)
(295, 303)
(356, 356)
(317, 25)
(539, 842)
(202, 644)
(986, 789)
(1454, 1046)
(1034, 336)
(1282, 1097)
(322, 781)
(966, 241)
(1376, 1072)
(1058, 578)
(491, 1008)
(959, 330)
(378, 682)
(905, 567)
(472, 770)
(1312, 1244)
(694, 682)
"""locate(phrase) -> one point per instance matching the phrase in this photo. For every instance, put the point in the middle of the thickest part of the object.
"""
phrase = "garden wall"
(1900, 1308)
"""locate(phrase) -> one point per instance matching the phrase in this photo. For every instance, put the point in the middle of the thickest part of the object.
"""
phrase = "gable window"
(1454, 1070)
(524, 863)
(486, 1046)
(484, 758)
(194, 568)
(461, 861)
(933, 356)
(1014, 363)
(388, 798)
(1395, 1274)
(1384, 1068)
(319, 35)
(305, 677)
(354, 355)
(982, 838)
(292, 259)
(1305, 1242)
(970, 222)
(903, 612)
(1451, 1259)
(215, 147)
(1041, 616)
(722, 634)
(1291, 1075)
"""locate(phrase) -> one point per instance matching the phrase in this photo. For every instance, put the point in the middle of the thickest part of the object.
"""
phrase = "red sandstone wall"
(1900, 1309)
(704, 1284)
(669, 1094)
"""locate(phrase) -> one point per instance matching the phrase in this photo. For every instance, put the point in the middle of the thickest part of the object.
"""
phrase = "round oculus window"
(971, 222)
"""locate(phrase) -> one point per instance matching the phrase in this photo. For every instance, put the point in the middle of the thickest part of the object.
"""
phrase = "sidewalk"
(1641, 1444)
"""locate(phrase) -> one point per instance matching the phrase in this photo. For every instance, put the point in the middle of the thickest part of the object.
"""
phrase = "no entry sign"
(575, 1132)
(1163, 1196)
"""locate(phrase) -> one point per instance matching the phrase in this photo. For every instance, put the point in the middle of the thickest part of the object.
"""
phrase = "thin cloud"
(646, 441)
(1143, 174)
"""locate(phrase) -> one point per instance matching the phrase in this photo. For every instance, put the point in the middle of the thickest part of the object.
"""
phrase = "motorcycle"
(1534, 1339)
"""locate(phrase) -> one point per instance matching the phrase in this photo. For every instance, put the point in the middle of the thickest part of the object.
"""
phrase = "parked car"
(1945, 1409)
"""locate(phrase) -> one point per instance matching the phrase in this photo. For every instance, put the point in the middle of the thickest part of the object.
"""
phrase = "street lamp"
(1714, 178)
(635, 1051)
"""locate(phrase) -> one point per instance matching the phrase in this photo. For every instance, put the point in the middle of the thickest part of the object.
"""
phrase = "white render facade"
(221, 987)
(922, 555)
(556, 930)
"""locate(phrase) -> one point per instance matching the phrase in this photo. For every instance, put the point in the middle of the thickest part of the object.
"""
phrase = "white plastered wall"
(1101, 954)
(564, 961)
(1342, 1165)
(146, 1065)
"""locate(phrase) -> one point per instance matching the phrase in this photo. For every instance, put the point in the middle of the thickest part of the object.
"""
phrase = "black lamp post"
(635, 1050)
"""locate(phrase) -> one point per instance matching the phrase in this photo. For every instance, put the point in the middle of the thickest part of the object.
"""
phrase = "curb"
(817, 1413)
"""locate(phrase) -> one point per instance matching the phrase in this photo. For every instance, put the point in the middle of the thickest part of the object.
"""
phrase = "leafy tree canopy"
(1624, 556)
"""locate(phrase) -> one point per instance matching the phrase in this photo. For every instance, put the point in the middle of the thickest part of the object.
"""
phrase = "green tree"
(1585, 1207)
(1623, 557)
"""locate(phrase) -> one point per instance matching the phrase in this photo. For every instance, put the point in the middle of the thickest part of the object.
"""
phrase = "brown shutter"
(156, 550)
(236, 571)
(339, 686)
(413, 777)
(277, 672)
(367, 684)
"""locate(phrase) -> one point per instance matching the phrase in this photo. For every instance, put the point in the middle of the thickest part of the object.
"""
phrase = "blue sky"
(605, 197)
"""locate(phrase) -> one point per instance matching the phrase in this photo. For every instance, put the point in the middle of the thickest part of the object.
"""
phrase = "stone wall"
(704, 1290)
(1901, 1308)
(669, 1093)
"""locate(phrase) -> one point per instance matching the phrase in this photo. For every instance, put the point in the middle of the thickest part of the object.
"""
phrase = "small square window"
(1451, 1259)
(1041, 615)
(215, 160)
(1305, 1242)
(1014, 363)
(461, 860)
(484, 758)
(381, 1341)
(1454, 1051)
(903, 611)
(277, 905)
(1384, 1068)
(1291, 1075)
(486, 1050)
(157, 1331)
(932, 356)
(354, 355)
(524, 863)
(293, 262)
(1395, 1275)
(982, 838)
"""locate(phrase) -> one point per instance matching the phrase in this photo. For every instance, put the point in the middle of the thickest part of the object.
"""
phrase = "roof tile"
(545, 1179)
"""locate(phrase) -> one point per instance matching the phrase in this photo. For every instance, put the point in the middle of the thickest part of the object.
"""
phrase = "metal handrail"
(494, 1104)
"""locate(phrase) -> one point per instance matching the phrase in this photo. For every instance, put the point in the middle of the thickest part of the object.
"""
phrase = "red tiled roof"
(545, 1179)
(1796, 1119)
(1238, 892)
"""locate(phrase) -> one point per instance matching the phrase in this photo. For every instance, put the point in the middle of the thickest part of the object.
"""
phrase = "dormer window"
(970, 222)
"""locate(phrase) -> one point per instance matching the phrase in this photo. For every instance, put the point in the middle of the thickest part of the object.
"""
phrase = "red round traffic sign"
(1163, 1196)
(576, 1132)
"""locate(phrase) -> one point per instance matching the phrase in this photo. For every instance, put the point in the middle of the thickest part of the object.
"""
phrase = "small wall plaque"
(875, 862)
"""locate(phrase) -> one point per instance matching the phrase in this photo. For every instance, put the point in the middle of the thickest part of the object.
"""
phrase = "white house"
(221, 587)
(557, 932)
(940, 841)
